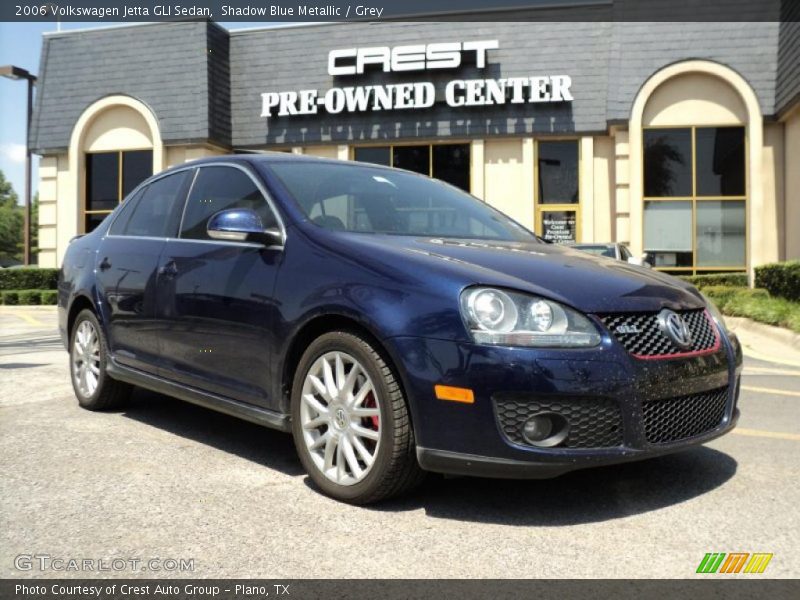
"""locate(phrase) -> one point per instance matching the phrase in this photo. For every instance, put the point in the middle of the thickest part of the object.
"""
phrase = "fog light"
(545, 430)
(537, 428)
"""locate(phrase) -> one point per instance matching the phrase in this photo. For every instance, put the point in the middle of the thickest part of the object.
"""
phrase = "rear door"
(127, 261)
(215, 298)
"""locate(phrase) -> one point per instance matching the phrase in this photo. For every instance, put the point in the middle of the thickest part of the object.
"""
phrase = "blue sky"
(20, 45)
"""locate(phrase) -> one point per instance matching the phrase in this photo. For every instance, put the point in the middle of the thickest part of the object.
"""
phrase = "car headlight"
(715, 313)
(512, 319)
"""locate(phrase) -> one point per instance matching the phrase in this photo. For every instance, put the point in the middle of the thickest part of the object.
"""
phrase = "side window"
(221, 188)
(125, 212)
(157, 211)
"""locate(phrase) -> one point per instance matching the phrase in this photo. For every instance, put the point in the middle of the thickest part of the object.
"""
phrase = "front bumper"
(468, 439)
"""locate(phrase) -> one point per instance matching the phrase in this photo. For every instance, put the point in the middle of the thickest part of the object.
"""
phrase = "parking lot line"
(29, 319)
(777, 435)
(753, 388)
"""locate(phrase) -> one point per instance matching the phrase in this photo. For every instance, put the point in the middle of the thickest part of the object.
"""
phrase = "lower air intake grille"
(684, 417)
(592, 423)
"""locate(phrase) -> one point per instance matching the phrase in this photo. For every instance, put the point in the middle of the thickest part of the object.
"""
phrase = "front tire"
(88, 356)
(350, 421)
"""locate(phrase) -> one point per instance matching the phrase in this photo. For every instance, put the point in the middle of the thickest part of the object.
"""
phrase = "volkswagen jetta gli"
(392, 323)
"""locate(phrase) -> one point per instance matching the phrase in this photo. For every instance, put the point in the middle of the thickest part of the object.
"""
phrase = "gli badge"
(675, 328)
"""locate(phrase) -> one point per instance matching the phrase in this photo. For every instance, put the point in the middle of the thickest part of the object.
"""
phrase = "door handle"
(104, 264)
(169, 269)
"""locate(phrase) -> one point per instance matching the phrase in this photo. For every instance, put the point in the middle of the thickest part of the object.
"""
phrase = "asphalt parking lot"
(168, 480)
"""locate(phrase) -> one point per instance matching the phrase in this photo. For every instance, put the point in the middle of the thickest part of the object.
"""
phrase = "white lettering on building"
(415, 95)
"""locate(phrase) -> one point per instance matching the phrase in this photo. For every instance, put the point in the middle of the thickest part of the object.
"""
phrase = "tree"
(8, 197)
(34, 227)
(12, 221)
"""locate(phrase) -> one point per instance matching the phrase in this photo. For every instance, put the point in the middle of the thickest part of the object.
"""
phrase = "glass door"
(557, 191)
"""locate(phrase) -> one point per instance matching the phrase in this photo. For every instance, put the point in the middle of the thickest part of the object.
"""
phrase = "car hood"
(588, 283)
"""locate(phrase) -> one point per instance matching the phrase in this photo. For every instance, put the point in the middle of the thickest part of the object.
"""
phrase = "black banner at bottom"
(713, 586)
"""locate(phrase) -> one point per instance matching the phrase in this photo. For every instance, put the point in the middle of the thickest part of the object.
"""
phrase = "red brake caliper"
(369, 402)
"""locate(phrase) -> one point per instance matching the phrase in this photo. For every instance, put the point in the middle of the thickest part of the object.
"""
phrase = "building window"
(110, 177)
(558, 190)
(695, 199)
(448, 162)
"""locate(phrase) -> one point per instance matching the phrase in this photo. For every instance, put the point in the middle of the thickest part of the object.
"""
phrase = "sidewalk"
(764, 342)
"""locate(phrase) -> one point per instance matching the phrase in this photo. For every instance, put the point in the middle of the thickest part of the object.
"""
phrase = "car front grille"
(592, 423)
(642, 336)
(683, 417)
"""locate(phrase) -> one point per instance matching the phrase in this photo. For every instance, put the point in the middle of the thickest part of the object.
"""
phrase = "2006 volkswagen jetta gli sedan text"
(394, 324)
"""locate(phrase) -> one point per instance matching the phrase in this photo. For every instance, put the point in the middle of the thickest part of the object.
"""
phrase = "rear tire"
(350, 421)
(88, 356)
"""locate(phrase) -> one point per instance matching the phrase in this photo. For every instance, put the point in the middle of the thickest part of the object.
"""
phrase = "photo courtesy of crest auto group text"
(432, 300)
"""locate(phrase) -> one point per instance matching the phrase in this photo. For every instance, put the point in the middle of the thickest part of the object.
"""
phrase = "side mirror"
(242, 225)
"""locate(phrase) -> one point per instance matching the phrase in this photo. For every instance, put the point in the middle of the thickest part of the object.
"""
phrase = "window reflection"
(667, 163)
(720, 161)
(448, 162)
(558, 172)
(720, 233)
(695, 232)
(110, 177)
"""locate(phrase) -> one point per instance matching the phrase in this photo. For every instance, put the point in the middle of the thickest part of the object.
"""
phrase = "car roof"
(267, 157)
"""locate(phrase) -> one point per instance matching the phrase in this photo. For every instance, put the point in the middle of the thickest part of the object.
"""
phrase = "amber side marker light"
(454, 394)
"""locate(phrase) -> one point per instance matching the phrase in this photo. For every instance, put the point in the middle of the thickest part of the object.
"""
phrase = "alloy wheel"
(340, 418)
(86, 359)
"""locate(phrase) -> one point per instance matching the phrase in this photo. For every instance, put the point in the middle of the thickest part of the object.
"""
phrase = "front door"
(127, 262)
(215, 298)
(558, 191)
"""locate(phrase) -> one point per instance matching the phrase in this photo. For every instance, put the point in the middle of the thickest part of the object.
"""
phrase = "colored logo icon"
(734, 562)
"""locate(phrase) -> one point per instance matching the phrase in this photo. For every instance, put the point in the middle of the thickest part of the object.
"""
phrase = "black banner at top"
(131, 11)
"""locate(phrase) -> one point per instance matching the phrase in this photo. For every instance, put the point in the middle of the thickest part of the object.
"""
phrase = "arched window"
(116, 145)
(690, 126)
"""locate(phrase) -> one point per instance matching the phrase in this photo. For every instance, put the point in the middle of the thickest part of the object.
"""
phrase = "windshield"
(598, 250)
(359, 198)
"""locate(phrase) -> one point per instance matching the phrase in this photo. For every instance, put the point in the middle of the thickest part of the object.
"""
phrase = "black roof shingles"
(204, 83)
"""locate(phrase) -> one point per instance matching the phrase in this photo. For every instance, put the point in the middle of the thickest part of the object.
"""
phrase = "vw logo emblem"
(675, 328)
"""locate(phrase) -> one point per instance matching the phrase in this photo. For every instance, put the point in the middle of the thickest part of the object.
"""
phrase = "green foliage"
(718, 279)
(28, 279)
(10, 297)
(30, 297)
(720, 294)
(49, 297)
(8, 197)
(781, 279)
(755, 304)
(12, 224)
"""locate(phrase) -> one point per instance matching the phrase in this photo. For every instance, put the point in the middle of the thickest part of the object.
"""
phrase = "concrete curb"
(775, 343)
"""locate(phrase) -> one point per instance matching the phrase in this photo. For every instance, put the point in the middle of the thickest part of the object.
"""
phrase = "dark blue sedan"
(392, 323)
